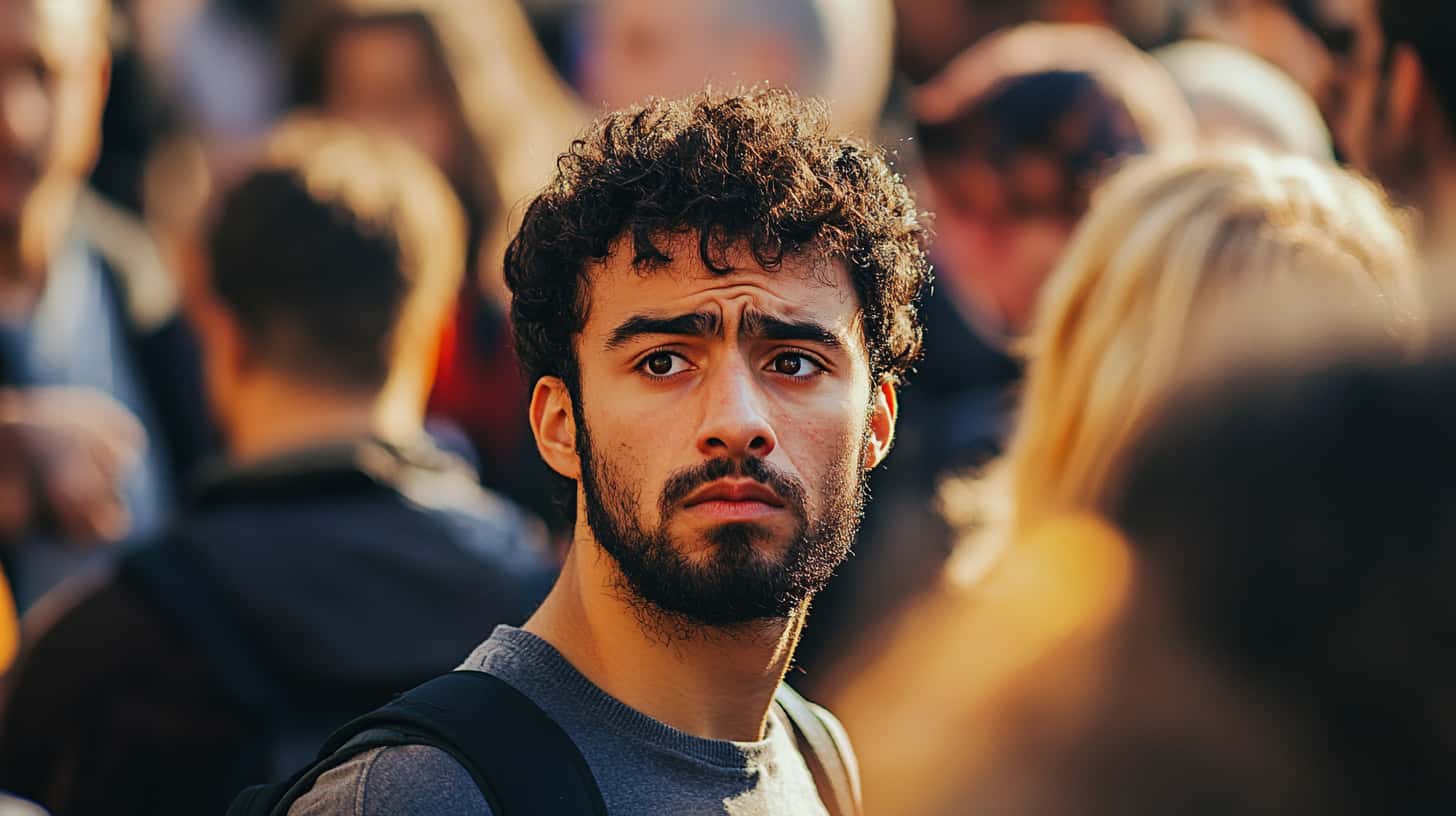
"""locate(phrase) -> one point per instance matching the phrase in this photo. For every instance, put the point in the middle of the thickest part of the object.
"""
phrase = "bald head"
(633, 49)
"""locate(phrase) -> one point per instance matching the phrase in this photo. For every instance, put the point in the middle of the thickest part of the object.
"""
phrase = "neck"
(274, 416)
(27, 248)
(712, 683)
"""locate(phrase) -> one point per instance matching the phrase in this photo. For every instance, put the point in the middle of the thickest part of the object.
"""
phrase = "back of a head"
(1077, 90)
(1294, 524)
(338, 256)
(1172, 246)
(1016, 133)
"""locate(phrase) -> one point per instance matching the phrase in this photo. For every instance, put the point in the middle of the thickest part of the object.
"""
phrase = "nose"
(735, 422)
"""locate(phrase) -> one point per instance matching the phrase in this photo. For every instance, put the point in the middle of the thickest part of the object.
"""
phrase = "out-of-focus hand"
(63, 455)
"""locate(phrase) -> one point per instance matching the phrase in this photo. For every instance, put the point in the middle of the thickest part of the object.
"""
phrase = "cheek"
(823, 450)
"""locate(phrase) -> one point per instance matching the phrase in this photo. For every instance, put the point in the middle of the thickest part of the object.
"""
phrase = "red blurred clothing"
(477, 382)
(479, 389)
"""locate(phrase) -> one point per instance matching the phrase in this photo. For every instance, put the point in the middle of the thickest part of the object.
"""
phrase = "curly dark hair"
(757, 168)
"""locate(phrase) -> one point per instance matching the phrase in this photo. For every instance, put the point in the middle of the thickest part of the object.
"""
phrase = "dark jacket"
(344, 575)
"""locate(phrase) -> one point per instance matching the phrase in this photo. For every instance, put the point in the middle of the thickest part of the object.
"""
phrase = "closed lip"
(734, 491)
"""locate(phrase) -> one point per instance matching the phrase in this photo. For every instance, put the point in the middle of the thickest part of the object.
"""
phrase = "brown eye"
(796, 365)
(659, 364)
(789, 364)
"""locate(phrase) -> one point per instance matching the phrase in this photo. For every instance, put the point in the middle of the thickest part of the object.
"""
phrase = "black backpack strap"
(522, 761)
(826, 751)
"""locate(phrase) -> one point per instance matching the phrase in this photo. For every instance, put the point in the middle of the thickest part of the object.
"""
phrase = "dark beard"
(738, 584)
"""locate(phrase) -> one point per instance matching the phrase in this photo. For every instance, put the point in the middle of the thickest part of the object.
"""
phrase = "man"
(336, 559)
(715, 300)
(1014, 134)
(99, 389)
(628, 50)
(1399, 120)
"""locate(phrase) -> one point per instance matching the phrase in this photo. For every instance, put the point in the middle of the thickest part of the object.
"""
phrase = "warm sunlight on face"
(727, 424)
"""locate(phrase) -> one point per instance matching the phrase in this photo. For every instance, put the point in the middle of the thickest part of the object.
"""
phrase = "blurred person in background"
(1172, 245)
(338, 556)
(385, 66)
(624, 51)
(1334, 49)
(932, 33)
(1284, 644)
(1014, 135)
(1399, 122)
(1237, 97)
(98, 378)
(630, 49)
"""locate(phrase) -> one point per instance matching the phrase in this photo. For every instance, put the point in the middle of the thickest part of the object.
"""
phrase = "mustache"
(683, 482)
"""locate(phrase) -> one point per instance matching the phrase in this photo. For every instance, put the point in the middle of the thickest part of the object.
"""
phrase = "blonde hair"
(1168, 240)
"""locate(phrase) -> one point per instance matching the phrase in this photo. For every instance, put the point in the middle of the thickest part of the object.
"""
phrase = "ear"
(223, 340)
(1404, 87)
(882, 424)
(554, 425)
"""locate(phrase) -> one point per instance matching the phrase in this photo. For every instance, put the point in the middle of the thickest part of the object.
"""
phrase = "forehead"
(805, 285)
(651, 14)
(19, 26)
(58, 30)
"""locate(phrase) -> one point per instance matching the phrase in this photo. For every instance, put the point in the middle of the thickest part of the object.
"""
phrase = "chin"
(739, 541)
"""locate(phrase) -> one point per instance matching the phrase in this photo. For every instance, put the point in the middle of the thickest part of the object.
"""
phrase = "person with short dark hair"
(336, 558)
(715, 300)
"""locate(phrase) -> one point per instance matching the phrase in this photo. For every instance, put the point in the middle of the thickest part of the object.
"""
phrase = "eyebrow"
(768, 327)
(708, 324)
(696, 324)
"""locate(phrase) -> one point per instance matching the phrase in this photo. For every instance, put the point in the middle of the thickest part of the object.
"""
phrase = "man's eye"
(663, 364)
(794, 364)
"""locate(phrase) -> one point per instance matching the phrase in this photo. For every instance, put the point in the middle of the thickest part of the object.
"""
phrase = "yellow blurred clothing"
(9, 627)
(926, 701)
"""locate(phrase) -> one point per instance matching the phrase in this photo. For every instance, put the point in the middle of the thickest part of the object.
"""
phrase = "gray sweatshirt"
(641, 765)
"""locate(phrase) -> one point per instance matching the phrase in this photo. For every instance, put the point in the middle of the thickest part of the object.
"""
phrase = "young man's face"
(724, 427)
(53, 72)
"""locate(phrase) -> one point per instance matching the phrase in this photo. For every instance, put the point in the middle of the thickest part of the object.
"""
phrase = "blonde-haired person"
(1174, 244)
(1173, 249)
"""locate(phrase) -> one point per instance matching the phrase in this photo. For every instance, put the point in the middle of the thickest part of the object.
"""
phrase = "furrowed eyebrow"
(768, 327)
(697, 324)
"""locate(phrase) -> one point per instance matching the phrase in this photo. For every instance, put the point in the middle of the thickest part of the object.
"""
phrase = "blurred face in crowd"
(1006, 227)
(1332, 48)
(52, 85)
(385, 75)
(641, 48)
(726, 425)
(1349, 31)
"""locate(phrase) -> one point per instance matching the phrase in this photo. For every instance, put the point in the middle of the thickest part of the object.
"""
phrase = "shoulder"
(81, 629)
(91, 649)
(124, 245)
(409, 780)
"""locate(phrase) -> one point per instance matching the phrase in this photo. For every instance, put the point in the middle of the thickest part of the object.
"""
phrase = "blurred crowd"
(1163, 527)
